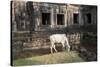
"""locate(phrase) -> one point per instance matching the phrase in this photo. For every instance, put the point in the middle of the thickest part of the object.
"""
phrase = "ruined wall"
(20, 18)
(92, 10)
(27, 16)
(40, 41)
(53, 10)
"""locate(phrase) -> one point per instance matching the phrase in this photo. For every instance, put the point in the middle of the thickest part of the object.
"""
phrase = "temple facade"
(41, 16)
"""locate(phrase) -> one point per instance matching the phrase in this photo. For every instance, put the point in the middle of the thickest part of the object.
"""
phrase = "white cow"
(59, 38)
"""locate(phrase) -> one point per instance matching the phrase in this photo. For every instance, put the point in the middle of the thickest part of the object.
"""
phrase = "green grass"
(60, 57)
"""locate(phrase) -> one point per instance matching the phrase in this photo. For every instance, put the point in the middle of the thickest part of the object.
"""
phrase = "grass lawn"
(60, 57)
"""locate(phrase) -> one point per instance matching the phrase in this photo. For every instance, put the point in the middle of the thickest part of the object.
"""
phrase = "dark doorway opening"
(76, 18)
(60, 19)
(88, 18)
(46, 18)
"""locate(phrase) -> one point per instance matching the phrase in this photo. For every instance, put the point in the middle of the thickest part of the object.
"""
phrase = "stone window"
(45, 18)
(60, 19)
(88, 18)
(76, 18)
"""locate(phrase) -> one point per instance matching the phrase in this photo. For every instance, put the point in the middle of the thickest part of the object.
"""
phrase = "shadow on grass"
(33, 52)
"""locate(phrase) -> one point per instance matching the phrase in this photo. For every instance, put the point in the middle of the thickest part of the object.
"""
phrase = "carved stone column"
(52, 17)
(14, 25)
(80, 16)
(65, 17)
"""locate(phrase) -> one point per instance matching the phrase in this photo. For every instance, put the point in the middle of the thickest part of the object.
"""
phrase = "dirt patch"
(34, 52)
(88, 52)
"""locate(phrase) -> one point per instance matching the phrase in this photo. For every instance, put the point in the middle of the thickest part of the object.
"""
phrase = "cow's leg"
(63, 46)
(67, 46)
(55, 48)
(51, 48)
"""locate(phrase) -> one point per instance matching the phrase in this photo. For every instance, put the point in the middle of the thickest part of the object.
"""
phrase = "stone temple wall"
(41, 40)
